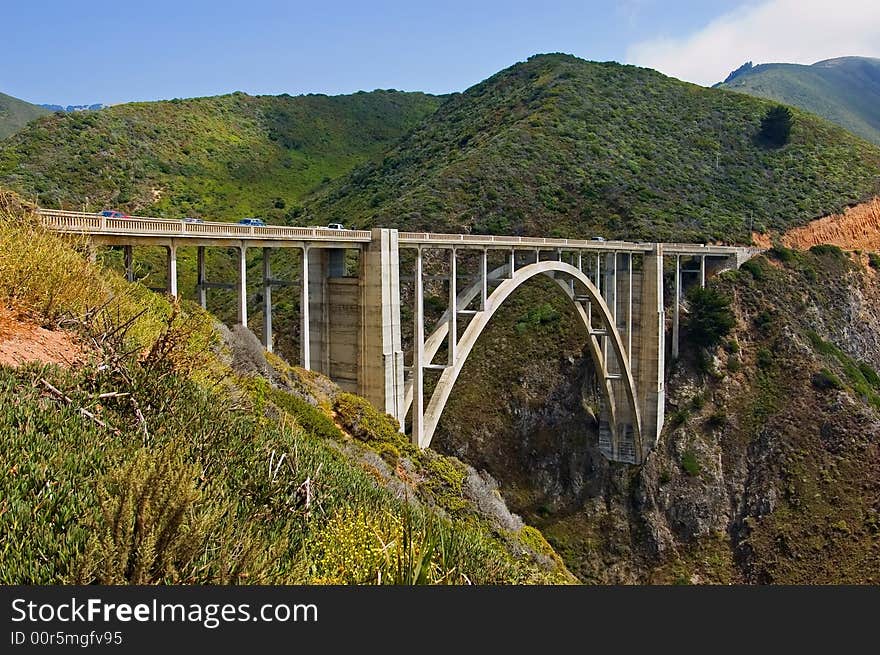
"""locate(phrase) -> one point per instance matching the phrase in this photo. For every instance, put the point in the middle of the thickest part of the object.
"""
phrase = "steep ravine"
(768, 470)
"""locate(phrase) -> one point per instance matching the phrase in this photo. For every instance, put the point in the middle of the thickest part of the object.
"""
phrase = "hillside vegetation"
(561, 146)
(845, 90)
(15, 114)
(219, 158)
(175, 452)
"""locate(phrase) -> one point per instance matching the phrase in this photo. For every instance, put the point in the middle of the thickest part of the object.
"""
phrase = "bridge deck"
(140, 227)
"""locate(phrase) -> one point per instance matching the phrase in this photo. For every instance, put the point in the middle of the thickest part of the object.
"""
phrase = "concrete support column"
(267, 299)
(242, 285)
(319, 296)
(484, 276)
(381, 366)
(128, 258)
(675, 307)
(649, 383)
(305, 334)
(201, 289)
(703, 271)
(418, 404)
(171, 270)
(452, 336)
(580, 261)
(629, 308)
(512, 265)
(609, 293)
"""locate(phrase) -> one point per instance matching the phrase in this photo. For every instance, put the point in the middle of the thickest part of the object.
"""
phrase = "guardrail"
(86, 223)
(428, 238)
(79, 222)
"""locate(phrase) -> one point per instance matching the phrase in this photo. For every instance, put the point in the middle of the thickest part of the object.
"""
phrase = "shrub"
(764, 358)
(755, 268)
(311, 418)
(153, 527)
(689, 463)
(363, 421)
(869, 374)
(679, 416)
(827, 249)
(710, 317)
(826, 380)
(783, 254)
(874, 260)
(717, 419)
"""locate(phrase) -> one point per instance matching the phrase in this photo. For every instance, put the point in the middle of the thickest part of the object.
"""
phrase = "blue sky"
(95, 51)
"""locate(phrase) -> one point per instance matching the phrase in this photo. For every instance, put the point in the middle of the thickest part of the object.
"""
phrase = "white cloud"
(793, 31)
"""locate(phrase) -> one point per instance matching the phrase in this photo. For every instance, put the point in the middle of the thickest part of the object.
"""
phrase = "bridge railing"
(68, 221)
(426, 238)
(86, 223)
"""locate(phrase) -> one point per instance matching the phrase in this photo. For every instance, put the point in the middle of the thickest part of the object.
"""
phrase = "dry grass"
(40, 274)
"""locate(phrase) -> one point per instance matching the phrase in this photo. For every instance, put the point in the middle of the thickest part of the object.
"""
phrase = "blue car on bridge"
(256, 222)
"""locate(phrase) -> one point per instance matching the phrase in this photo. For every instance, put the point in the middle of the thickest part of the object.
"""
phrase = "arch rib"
(438, 336)
(475, 328)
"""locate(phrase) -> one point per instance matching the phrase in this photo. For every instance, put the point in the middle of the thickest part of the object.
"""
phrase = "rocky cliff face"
(768, 469)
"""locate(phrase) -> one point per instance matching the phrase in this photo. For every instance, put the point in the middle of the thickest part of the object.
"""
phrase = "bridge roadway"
(280, 236)
(350, 328)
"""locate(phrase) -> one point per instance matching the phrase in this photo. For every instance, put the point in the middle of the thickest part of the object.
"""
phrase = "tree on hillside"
(710, 316)
(776, 125)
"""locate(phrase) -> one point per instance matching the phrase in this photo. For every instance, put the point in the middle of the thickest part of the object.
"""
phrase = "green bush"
(710, 318)
(825, 379)
(363, 421)
(311, 418)
(755, 268)
(764, 358)
(827, 249)
(689, 463)
(783, 254)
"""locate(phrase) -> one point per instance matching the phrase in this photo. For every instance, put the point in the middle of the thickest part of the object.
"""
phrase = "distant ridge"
(845, 90)
(94, 107)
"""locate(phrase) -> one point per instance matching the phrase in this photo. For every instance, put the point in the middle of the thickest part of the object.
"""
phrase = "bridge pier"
(381, 364)
(201, 282)
(128, 261)
(418, 361)
(267, 299)
(171, 270)
(676, 303)
(241, 305)
(652, 351)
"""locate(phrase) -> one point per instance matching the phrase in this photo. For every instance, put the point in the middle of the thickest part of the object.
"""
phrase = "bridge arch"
(564, 274)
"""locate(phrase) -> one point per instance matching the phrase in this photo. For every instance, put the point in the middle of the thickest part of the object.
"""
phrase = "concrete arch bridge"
(351, 323)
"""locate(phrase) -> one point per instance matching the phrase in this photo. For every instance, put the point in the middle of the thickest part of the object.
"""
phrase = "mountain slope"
(222, 157)
(15, 114)
(561, 146)
(846, 90)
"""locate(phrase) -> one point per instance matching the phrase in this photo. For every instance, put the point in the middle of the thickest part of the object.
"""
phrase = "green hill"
(15, 114)
(561, 146)
(846, 90)
(222, 157)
